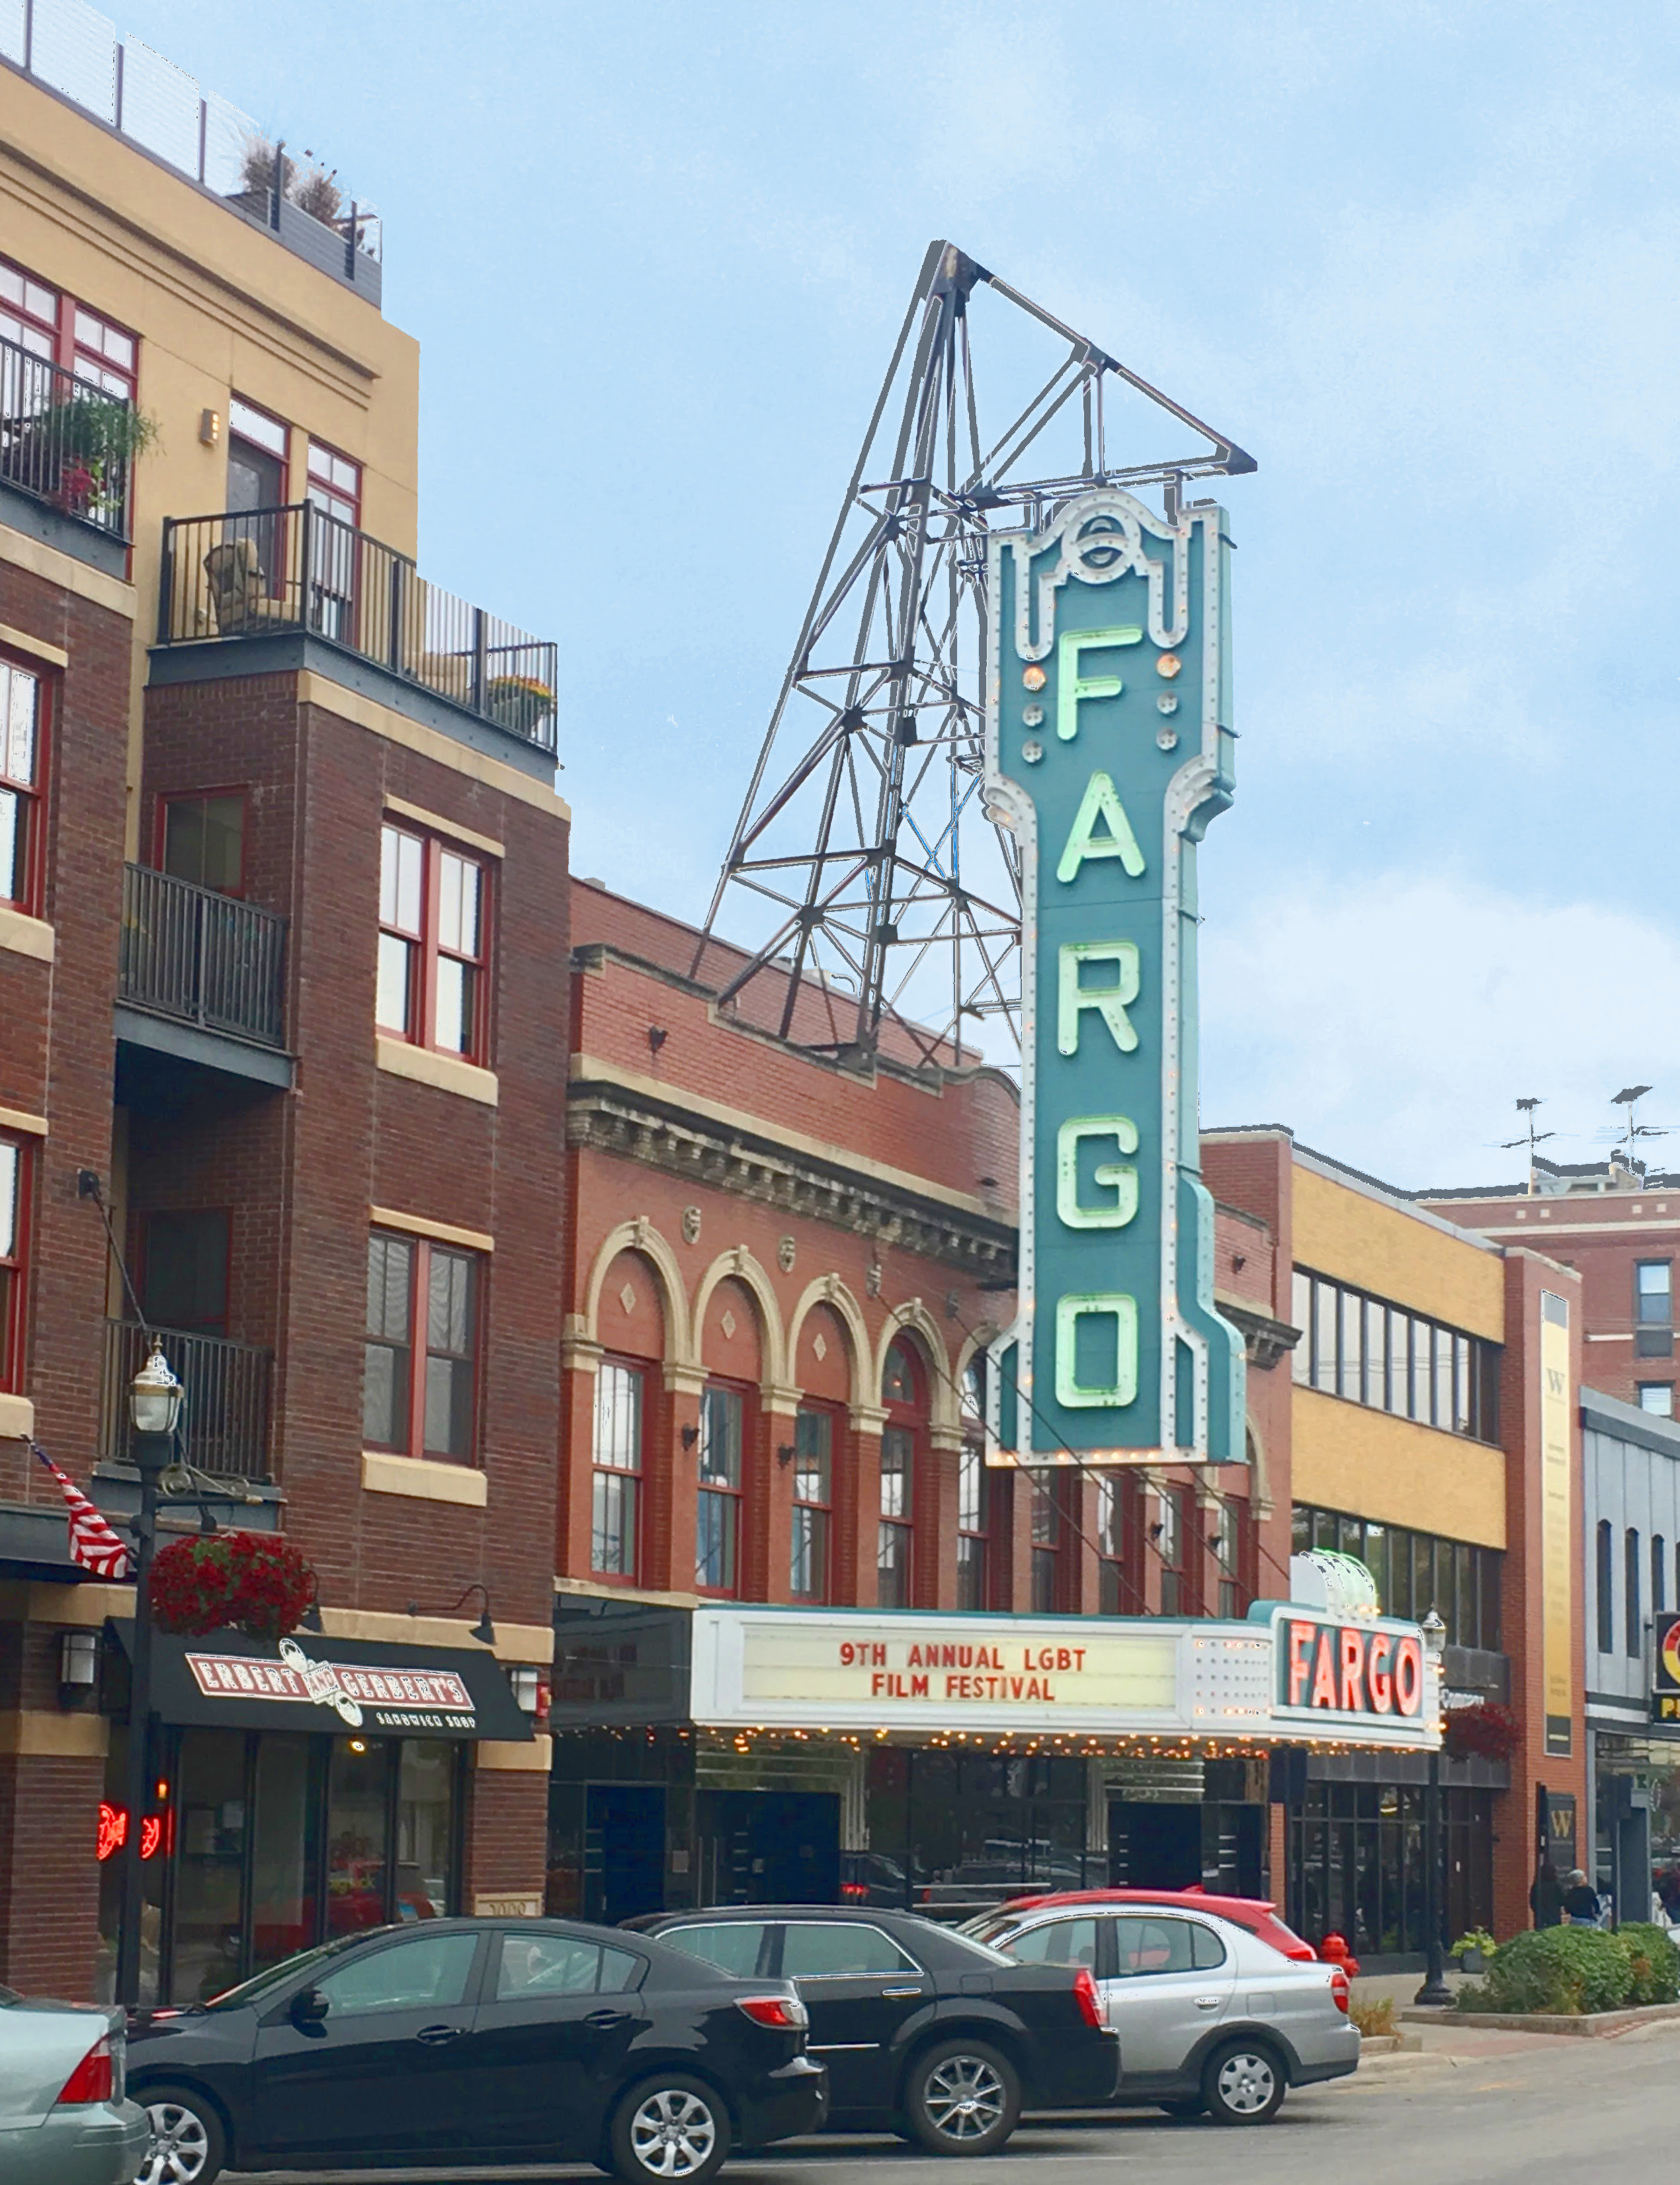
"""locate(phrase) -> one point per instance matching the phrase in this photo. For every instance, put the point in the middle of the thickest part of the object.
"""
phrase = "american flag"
(93, 1543)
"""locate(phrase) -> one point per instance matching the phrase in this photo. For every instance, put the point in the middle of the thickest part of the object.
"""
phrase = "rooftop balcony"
(68, 448)
(248, 577)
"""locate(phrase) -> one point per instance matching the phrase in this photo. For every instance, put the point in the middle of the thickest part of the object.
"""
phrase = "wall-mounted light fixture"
(78, 1666)
(526, 1683)
(691, 1434)
(785, 1455)
(209, 427)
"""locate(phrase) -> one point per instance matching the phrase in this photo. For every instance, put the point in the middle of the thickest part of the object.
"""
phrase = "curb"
(1592, 2025)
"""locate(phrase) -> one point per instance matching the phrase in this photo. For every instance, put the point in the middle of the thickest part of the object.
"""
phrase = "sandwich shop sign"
(1108, 751)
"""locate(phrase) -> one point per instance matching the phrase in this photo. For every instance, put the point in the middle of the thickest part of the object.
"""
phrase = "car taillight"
(853, 1889)
(93, 2078)
(786, 2013)
(1085, 1991)
(1339, 1988)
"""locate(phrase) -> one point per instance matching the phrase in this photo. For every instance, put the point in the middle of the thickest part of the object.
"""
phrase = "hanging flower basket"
(1488, 1732)
(520, 702)
(253, 1582)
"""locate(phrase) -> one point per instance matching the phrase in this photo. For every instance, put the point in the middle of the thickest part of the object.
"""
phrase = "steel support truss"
(892, 899)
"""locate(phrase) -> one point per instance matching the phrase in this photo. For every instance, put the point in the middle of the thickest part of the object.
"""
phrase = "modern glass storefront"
(262, 1845)
(1357, 1865)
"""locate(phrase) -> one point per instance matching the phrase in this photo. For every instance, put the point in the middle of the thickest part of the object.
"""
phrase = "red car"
(1258, 1916)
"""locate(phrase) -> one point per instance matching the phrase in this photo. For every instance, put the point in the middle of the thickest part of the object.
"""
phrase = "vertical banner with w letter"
(1109, 748)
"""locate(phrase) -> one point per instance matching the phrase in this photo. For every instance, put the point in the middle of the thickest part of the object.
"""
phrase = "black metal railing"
(224, 1420)
(206, 958)
(256, 572)
(64, 441)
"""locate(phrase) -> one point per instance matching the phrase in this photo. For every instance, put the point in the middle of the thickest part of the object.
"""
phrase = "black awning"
(310, 1683)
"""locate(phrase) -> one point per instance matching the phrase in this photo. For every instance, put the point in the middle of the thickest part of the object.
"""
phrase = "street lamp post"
(1435, 1989)
(154, 1398)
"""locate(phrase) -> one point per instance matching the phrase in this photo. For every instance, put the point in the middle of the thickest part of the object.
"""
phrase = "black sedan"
(477, 2041)
(924, 2031)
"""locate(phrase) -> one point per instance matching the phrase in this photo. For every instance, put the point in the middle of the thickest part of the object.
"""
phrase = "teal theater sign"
(1109, 749)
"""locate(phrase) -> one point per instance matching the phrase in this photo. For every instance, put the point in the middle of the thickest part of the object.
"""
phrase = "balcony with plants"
(67, 445)
(299, 571)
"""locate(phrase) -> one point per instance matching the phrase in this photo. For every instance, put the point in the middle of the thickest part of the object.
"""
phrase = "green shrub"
(1561, 1970)
(1655, 1961)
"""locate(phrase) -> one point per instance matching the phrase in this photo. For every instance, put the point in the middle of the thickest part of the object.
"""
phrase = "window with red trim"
(420, 1388)
(1049, 1527)
(333, 487)
(813, 1502)
(23, 775)
(102, 355)
(203, 839)
(15, 1161)
(434, 943)
(1170, 1543)
(29, 312)
(1118, 1527)
(974, 1501)
(615, 1534)
(902, 1392)
(717, 1532)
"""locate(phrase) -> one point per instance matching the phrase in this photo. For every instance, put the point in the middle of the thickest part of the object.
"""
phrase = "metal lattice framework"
(892, 900)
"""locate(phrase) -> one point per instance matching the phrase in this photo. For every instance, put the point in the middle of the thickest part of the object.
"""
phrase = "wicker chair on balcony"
(239, 588)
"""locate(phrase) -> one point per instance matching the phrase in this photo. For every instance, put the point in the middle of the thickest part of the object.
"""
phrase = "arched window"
(632, 1329)
(903, 1391)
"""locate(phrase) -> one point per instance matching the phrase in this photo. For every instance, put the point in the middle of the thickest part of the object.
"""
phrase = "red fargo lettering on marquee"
(1353, 1668)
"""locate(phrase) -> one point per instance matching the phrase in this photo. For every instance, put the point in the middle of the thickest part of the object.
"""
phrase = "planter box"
(1514, 2021)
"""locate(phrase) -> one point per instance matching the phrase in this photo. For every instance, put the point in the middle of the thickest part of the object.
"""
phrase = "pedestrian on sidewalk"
(1581, 1901)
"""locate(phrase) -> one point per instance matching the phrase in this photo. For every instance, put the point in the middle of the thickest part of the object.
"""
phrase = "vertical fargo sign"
(1109, 748)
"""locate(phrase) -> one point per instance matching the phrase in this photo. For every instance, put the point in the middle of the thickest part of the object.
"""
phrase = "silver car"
(63, 2119)
(1210, 2018)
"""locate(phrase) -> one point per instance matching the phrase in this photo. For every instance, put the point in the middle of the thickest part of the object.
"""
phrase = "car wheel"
(1192, 2105)
(672, 2127)
(961, 2097)
(188, 2144)
(1244, 2083)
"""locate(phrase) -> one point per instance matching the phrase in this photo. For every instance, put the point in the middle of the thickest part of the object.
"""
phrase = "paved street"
(1476, 2109)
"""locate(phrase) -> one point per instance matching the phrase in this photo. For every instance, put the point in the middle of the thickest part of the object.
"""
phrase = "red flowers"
(1490, 1731)
(254, 1582)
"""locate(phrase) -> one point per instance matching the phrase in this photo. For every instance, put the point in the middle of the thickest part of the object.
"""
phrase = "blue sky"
(1421, 261)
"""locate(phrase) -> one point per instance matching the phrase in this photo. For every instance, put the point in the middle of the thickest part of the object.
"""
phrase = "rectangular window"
(432, 943)
(333, 491)
(1326, 1373)
(1635, 1632)
(717, 1535)
(813, 1502)
(22, 778)
(1657, 1397)
(1228, 1535)
(204, 839)
(13, 1180)
(28, 313)
(616, 1456)
(1376, 1354)
(893, 1534)
(1604, 1574)
(105, 357)
(1351, 1382)
(1117, 1588)
(420, 1398)
(1658, 1575)
(1399, 1362)
(973, 1497)
(1301, 1304)
(1423, 1372)
(1046, 1520)
(1171, 1544)
(1654, 1293)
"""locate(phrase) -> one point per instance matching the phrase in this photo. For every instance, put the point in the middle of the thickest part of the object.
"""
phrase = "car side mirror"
(308, 2008)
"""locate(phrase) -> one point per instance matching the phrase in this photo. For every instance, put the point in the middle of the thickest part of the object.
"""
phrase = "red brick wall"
(56, 1043)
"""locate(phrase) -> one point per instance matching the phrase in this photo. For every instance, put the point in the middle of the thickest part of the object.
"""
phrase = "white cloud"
(1391, 1022)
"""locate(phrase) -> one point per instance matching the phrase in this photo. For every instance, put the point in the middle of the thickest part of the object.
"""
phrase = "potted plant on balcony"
(254, 1582)
(76, 452)
(520, 702)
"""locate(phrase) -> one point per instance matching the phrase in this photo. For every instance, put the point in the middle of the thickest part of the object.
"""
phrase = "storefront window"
(358, 1796)
(1416, 1572)
(209, 1861)
(1357, 1865)
(286, 1848)
(425, 1879)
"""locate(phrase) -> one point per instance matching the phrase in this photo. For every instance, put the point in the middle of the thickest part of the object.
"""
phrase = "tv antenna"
(1533, 1137)
(879, 901)
(1632, 1131)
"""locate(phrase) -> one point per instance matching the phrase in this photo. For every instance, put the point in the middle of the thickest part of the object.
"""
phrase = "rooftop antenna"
(1533, 1137)
(1629, 1098)
(877, 903)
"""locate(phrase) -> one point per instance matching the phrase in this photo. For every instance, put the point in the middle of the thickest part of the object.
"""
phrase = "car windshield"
(260, 1984)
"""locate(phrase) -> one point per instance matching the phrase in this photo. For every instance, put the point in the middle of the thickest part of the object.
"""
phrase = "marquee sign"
(857, 1670)
(1108, 751)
